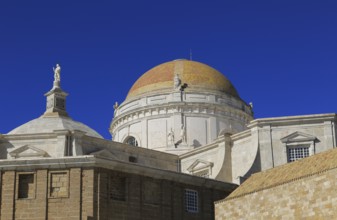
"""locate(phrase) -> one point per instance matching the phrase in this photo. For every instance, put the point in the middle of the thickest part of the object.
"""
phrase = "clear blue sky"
(281, 55)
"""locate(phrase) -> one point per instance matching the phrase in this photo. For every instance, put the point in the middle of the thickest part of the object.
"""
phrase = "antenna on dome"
(190, 54)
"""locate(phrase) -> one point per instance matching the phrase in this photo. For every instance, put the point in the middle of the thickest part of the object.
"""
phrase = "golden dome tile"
(197, 75)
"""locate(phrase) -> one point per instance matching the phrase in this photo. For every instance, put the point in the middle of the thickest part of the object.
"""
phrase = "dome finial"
(56, 97)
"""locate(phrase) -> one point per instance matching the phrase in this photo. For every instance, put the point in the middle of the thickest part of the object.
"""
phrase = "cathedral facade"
(189, 109)
(182, 139)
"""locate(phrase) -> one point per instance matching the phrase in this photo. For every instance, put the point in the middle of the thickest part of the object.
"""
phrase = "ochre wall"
(88, 194)
(148, 198)
(79, 186)
(313, 197)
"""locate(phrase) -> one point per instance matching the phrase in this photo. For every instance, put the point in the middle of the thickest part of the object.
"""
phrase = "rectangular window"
(26, 188)
(297, 152)
(191, 201)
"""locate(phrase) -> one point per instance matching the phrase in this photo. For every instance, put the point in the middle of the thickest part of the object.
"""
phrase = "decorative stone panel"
(58, 184)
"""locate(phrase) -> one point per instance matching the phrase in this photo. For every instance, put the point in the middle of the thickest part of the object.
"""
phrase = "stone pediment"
(298, 137)
(199, 165)
(104, 153)
(28, 151)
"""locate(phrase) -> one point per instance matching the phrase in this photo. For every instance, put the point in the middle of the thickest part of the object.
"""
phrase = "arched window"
(131, 141)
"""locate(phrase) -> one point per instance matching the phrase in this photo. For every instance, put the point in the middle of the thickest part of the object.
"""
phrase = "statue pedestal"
(56, 84)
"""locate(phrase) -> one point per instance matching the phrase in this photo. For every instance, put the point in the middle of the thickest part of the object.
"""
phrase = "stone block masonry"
(148, 198)
(312, 197)
(83, 193)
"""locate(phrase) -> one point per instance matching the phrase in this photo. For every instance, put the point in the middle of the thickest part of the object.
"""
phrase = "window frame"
(200, 168)
(292, 156)
(298, 139)
(18, 185)
(191, 201)
(135, 141)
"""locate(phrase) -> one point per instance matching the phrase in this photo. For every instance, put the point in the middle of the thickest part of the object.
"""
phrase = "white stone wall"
(263, 146)
(204, 116)
(210, 157)
(244, 153)
(157, 130)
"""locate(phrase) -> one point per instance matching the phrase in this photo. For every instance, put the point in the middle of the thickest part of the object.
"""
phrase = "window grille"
(191, 201)
(297, 152)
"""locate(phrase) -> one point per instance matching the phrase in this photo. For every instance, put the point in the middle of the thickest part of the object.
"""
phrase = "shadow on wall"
(5, 150)
(255, 168)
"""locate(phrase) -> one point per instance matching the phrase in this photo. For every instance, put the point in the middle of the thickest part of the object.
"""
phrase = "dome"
(197, 75)
(162, 113)
(55, 116)
(46, 124)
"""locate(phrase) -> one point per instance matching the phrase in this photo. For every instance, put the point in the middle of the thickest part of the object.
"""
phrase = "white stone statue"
(57, 73)
(115, 108)
(176, 81)
(170, 136)
(183, 134)
(116, 105)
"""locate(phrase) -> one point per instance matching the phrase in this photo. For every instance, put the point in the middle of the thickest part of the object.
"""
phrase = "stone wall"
(265, 145)
(47, 194)
(149, 198)
(313, 197)
(150, 118)
(98, 193)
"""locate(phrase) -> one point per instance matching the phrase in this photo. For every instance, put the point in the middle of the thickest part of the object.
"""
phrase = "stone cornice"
(97, 162)
(188, 91)
(293, 119)
(241, 135)
(108, 144)
(37, 136)
(30, 136)
(208, 98)
(180, 107)
(204, 148)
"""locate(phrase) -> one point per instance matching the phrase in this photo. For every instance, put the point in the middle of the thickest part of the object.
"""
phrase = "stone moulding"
(212, 110)
(92, 161)
(199, 165)
(298, 137)
(28, 151)
(293, 119)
